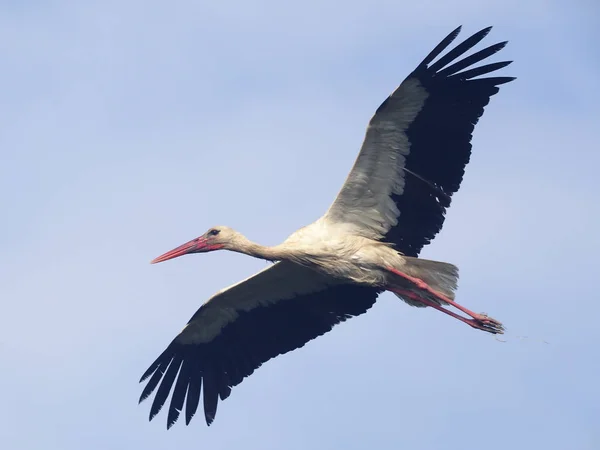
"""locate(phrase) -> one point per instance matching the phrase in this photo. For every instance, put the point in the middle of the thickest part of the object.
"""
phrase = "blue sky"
(129, 128)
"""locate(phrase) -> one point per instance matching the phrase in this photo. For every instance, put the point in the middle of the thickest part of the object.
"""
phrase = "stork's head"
(216, 238)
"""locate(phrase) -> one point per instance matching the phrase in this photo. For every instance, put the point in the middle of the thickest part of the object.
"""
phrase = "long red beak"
(194, 246)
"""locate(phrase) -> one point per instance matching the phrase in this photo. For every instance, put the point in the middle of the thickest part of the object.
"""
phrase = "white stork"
(392, 204)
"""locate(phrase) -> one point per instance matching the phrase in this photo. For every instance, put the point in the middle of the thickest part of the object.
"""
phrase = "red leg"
(484, 325)
(422, 285)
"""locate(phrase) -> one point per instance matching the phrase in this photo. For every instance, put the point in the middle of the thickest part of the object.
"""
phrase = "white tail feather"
(440, 276)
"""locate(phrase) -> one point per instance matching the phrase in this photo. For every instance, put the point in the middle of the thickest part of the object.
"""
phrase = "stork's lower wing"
(417, 146)
(277, 310)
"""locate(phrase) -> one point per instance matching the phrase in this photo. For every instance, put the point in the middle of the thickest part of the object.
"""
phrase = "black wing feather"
(163, 362)
(179, 392)
(460, 49)
(211, 390)
(473, 59)
(440, 47)
(193, 395)
(245, 344)
(165, 386)
(440, 139)
(481, 70)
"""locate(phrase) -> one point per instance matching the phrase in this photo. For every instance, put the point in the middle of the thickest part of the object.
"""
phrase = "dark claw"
(488, 324)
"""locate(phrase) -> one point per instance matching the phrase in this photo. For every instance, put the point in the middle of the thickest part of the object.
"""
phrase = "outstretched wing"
(417, 146)
(271, 313)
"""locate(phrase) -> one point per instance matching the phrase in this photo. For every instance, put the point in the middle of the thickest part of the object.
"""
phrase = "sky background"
(128, 128)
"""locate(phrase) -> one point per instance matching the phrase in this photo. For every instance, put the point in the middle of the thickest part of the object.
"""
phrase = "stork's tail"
(440, 276)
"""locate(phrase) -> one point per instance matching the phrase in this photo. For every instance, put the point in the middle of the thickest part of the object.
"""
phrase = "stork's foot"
(485, 323)
(479, 321)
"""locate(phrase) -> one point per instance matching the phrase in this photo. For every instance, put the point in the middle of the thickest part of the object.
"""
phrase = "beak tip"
(190, 247)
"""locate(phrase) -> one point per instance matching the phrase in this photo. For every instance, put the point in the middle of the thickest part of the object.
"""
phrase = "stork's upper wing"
(416, 148)
(273, 312)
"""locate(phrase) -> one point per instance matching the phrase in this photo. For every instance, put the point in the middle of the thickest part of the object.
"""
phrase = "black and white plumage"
(295, 306)
(421, 132)
(392, 204)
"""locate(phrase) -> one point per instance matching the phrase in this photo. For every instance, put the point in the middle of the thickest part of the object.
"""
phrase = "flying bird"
(392, 204)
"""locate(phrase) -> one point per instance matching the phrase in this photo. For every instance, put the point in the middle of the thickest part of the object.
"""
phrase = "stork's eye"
(213, 232)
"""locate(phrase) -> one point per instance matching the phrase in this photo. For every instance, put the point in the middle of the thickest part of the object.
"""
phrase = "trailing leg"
(432, 283)
(483, 322)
